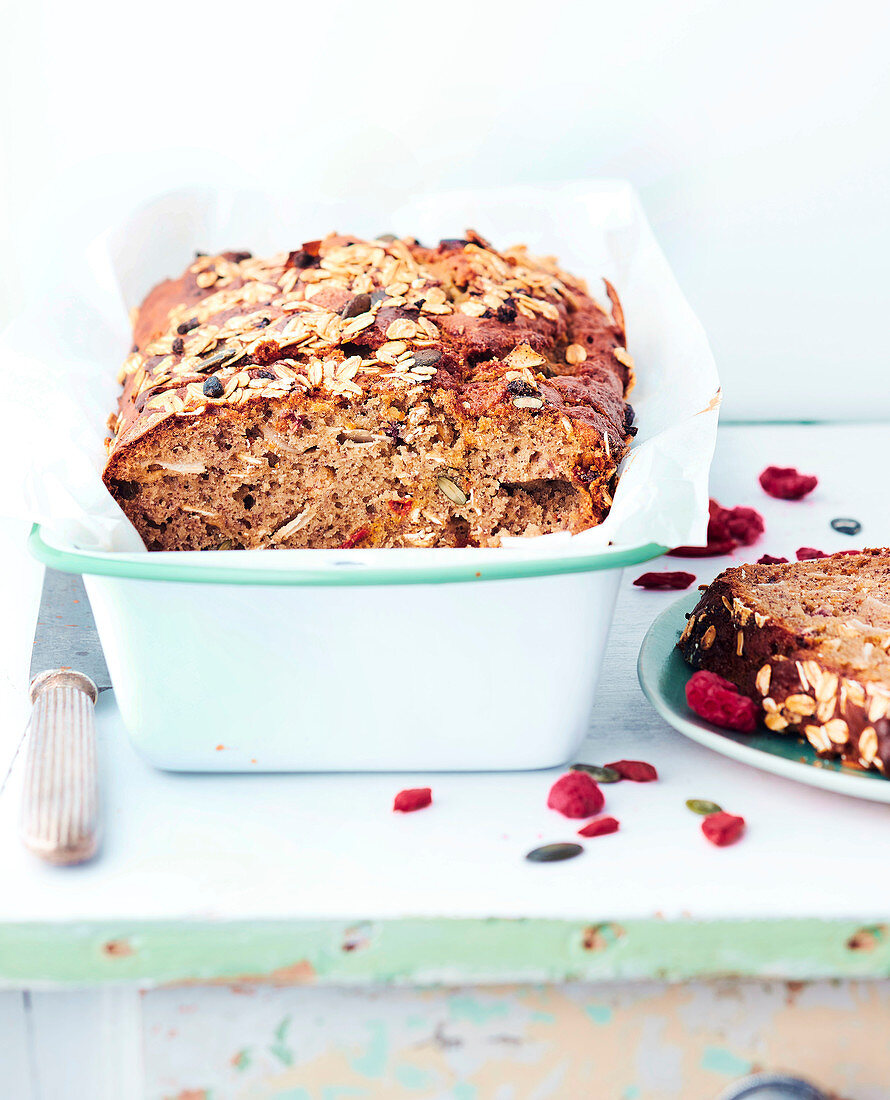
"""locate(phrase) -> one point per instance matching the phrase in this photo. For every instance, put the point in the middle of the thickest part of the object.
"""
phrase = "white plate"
(663, 674)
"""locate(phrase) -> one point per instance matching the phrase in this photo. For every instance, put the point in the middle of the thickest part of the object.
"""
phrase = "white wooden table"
(293, 887)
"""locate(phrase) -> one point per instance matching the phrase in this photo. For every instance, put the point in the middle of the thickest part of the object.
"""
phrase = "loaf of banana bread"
(810, 641)
(357, 393)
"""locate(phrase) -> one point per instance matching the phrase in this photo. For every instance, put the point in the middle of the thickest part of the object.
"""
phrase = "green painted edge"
(436, 951)
(183, 567)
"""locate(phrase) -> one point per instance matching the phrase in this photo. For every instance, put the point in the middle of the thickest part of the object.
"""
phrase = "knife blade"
(59, 820)
(66, 636)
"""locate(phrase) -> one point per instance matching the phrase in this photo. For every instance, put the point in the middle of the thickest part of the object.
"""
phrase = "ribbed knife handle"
(60, 804)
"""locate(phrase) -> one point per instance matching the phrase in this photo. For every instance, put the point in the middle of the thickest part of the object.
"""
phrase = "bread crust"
(362, 335)
(801, 689)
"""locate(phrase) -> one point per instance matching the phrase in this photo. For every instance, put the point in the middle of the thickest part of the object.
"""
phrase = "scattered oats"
(522, 356)
(357, 325)
(837, 730)
(818, 738)
(401, 329)
(288, 280)
(802, 705)
(877, 708)
(473, 308)
(349, 368)
(826, 687)
(825, 710)
(868, 744)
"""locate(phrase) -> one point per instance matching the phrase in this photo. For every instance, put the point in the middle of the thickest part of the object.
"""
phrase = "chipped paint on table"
(645, 1041)
(423, 951)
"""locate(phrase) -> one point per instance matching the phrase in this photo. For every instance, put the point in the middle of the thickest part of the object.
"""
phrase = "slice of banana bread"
(370, 393)
(810, 641)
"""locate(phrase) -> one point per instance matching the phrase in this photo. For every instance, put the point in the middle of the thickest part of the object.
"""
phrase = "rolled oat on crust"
(370, 393)
(810, 641)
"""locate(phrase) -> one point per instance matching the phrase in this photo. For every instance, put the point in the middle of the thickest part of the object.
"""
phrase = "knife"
(60, 804)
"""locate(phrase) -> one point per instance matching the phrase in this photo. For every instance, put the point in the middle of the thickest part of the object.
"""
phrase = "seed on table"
(601, 775)
(846, 526)
(703, 807)
(552, 853)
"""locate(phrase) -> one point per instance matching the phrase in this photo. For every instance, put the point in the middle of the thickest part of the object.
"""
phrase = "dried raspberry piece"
(808, 553)
(718, 701)
(745, 525)
(727, 529)
(638, 771)
(768, 559)
(415, 798)
(719, 539)
(712, 550)
(665, 580)
(722, 829)
(601, 827)
(785, 483)
(575, 794)
(400, 507)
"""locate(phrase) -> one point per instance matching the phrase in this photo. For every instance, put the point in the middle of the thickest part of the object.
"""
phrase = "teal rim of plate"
(348, 572)
(670, 693)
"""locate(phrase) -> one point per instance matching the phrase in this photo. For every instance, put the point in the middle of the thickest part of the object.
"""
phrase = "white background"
(757, 134)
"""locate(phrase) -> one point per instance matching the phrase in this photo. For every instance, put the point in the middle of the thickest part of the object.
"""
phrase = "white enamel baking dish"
(364, 659)
(237, 661)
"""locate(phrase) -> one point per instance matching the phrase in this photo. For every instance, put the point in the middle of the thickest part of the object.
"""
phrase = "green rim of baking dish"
(198, 567)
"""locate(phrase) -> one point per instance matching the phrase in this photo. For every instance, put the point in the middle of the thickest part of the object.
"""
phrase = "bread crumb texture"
(373, 393)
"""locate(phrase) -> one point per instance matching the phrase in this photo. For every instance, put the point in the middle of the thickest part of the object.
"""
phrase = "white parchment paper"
(60, 360)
